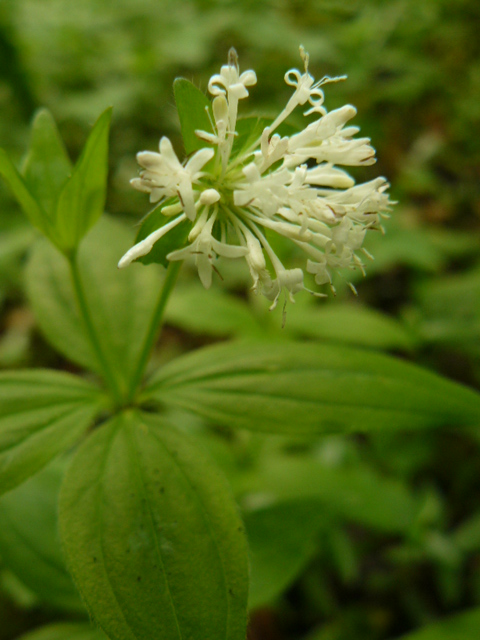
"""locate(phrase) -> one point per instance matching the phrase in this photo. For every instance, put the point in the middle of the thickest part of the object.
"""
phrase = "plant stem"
(154, 327)
(105, 366)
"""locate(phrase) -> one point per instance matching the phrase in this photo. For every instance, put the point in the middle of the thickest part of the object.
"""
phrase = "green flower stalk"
(291, 185)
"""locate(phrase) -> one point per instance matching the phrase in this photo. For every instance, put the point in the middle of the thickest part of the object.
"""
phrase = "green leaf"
(82, 199)
(213, 314)
(463, 626)
(47, 166)
(29, 540)
(66, 631)
(42, 413)
(410, 247)
(174, 239)
(192, 106)
(298, 388)
(152, 535)
(120, 301)
(353, 492)
(418, 247)
(32, 209)
(281, 538)
(450, 310)
(349, 323)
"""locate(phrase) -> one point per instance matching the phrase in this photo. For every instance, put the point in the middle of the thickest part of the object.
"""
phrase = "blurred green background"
(413, 71)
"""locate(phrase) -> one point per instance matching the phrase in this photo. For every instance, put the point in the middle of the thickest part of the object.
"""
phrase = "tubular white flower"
(346, 152)
(234, 85)
(163, 175)
(230, 82)
(205, 249)
(289, 279)
(145, 246)
(331, 124)
(267, 192)
(271, 150)
(291, 185)
(326, 175)
(256, 263)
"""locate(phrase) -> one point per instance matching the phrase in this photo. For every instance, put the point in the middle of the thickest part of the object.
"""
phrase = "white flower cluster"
(290, 185)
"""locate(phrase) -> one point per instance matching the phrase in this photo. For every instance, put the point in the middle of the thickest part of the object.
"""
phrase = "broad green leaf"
(29, 540)
(419, 247)
(42, 413)
(32, 209)
(298, 388)
(66, 631)
(47, 166)
(349, 323)
(353, 492)
(450, 310)
(120, 301)
(192, 106)
(401, 245)
(214, 313)
(281, 538)
(82, 199)
(174, 239)
(152, 535)
(462, 626)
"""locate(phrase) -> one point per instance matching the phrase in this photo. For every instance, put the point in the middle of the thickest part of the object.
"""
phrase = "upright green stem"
(155, 326)
(108, 373)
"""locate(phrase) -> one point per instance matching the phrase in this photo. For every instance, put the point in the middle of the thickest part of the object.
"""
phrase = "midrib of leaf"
(142, 491)
(39, 433)
(99, 514)
(314, 403)
(50, 406)
(78, 386)
(203, 511)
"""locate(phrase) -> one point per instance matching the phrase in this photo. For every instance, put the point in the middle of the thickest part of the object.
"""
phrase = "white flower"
(205, 249)
(292, 185)
(232, 85)
(267, 192)
(164, 176)
(146, 245)
(326, 175)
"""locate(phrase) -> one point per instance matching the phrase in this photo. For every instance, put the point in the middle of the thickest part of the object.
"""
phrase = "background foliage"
(384, 534)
